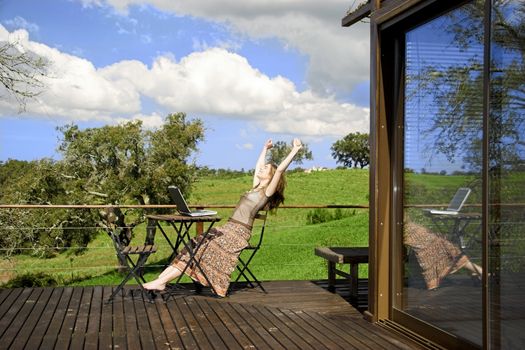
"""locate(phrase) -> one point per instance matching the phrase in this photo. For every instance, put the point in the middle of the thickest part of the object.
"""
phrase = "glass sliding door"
(442, 162)
(506, 176)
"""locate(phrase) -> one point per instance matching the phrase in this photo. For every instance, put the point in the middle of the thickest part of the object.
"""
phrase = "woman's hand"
(268, 144)
(297, 144)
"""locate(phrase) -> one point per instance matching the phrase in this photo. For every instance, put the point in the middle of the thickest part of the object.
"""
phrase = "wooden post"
(199, 226)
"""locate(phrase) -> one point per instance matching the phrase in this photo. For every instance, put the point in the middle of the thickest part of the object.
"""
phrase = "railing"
(72, 265)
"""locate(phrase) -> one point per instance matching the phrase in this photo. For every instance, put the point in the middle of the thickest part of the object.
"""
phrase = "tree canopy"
(353, 150)
(119, 164)
(281, 149)
(21, 73)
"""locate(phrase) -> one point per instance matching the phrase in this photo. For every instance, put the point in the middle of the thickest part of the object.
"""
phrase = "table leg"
(331, 276)
(354, 280)
(192, 251)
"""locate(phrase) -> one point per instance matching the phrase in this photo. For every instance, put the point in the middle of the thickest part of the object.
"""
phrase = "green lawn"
(288, 249)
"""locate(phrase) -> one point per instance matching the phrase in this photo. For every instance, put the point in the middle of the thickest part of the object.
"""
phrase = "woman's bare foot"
(154, 285)
(167, 275)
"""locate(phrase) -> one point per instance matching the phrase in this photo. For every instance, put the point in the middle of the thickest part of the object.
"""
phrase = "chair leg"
(245, 269)
(133, 272)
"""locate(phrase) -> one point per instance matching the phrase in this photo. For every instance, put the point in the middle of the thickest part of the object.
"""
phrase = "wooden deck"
(292, 315)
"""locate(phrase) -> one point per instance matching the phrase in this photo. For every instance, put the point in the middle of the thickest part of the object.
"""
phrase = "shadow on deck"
(291, 315)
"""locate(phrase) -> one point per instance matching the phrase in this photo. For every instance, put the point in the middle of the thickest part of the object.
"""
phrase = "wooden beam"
(357, 15)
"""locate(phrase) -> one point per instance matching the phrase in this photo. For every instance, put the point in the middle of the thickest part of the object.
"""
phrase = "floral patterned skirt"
(436, 256)
(217, 256)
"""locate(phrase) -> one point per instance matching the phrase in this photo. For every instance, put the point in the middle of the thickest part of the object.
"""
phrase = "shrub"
(320, 215)
(32, 280)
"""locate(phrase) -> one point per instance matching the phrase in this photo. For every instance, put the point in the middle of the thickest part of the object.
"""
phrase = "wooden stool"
(344, 255)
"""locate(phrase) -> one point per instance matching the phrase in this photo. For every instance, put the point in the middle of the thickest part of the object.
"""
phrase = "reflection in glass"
(507, 176)
(442, 173)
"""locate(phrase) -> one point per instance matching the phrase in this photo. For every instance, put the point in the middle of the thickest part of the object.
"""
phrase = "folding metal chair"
(252, 249)
(133, 269)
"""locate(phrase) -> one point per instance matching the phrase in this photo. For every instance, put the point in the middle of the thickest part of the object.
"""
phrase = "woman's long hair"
(278, 197)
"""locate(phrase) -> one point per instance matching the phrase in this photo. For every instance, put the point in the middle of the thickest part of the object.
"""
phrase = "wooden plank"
(20, 318)
(45, 319)
(302, 333)
(297, 341)
(254, 323)
(358, 14)
(158, 333)
(10, 307)
(273, 329)
(331, 330)
(182, 327)
(320, 338)
(350, 330)
(4, 294)
(130, 322)
(239, 336)
(195, 328)
(382, 339)
(105, 337)
(216, 324)
(93, 323)
(172, 334)
(68, 325)
(246, 328)
(144, 329)
(119, 322)
(48, 342)
(32, 320)
(81, 322)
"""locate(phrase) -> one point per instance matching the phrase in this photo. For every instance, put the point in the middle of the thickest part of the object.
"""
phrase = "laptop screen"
(178, 199)
(459, 199)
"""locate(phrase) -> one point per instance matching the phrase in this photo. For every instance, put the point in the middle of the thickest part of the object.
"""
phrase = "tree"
(456, 88)
(127, 164)
(122, 164)
(352, 150)
(281, 149)
(39, 182)
(21, 72)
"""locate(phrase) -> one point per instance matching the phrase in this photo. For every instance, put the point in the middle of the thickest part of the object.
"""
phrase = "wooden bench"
(344, 255)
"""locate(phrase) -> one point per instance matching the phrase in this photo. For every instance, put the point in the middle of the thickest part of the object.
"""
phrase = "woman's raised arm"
(261, 161)
(272, 186)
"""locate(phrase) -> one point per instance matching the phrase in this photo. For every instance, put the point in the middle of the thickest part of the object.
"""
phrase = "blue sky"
(254, 71)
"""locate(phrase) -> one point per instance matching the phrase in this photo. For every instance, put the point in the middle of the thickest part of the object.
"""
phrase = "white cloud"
(211, 82)
(244, 146)
(21, 23)
(338, 57)
(75, 89)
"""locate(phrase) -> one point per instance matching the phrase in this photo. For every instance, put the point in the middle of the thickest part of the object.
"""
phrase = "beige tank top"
(249, 205)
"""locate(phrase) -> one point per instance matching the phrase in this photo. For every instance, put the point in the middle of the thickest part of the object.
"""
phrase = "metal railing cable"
(106, 267)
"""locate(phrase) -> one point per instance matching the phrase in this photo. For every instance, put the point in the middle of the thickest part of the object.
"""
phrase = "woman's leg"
(166, 276)
(475, 268)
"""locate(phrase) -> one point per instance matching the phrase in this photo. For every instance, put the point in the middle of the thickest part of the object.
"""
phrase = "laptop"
(182, 206)
(455, 204)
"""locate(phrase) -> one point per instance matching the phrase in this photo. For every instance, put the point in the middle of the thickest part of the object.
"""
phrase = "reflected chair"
(251, 249)
(133, 268)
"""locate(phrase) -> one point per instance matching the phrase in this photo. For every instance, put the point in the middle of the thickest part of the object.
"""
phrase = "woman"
(436, 256)
(218, 255)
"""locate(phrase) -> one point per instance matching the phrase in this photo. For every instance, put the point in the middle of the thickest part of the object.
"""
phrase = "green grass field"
(288, 248)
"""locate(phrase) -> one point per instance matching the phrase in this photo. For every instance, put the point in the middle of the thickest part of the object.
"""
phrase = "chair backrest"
(261, 216)
(459, 199)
